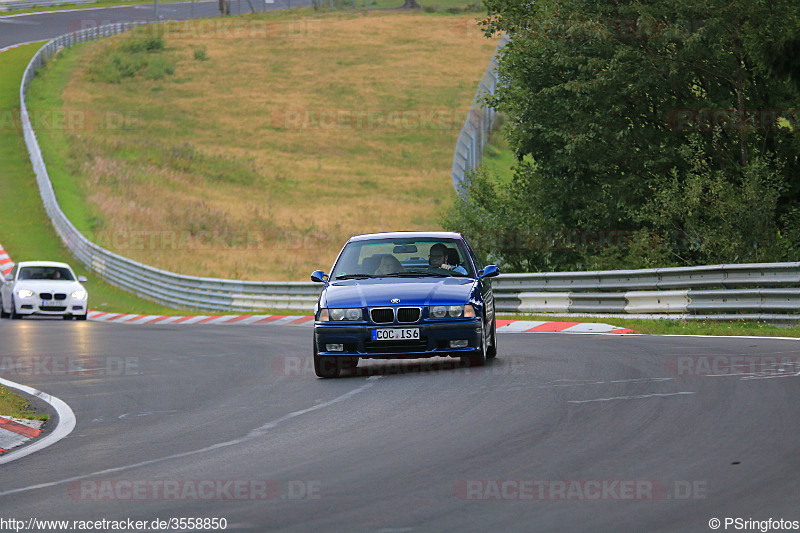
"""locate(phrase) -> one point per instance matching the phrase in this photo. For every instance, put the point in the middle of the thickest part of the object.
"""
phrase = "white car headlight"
(24, 293)
(79, 295)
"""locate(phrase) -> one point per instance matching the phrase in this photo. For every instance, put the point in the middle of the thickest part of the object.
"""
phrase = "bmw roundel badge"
(395, 300)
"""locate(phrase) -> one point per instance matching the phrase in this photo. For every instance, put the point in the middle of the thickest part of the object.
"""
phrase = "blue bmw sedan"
(404, 295)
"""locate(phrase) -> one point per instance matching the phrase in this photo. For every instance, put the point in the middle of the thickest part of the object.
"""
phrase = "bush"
(134, 56)
(150, 43)
(158, 67)
(200, 53)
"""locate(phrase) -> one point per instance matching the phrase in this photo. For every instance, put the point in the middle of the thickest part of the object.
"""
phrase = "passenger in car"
(370, 264)
(389, 265)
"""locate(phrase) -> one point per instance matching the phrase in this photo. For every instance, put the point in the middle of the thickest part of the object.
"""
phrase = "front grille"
(382, 315)
(52, 308)
(408, 314)
(51, 296)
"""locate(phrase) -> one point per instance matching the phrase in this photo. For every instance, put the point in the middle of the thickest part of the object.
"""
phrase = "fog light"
(460, 343)
(334, 347)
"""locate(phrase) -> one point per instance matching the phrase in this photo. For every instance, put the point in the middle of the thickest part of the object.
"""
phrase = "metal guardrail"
(30, 4)
(474, 135)
(761, 291)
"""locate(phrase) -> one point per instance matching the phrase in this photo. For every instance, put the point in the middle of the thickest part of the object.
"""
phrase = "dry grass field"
(253, 148)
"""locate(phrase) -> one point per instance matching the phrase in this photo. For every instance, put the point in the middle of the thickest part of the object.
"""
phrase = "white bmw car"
(43, 288)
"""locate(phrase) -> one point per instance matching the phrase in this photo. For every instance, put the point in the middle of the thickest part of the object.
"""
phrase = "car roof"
(42, 264)
(407, 235)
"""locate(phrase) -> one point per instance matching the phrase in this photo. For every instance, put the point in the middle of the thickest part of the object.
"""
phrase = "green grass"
(675, 327)
(498, 157)
(16, 406)
(497, 160)
(27, 233)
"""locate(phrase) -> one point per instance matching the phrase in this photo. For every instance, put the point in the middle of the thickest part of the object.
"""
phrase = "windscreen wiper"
(416, 274)
(354, 276)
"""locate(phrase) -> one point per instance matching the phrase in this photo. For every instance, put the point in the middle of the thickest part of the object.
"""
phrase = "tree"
(630, 107)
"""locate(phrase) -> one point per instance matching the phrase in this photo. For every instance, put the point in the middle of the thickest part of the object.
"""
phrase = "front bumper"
(434, 340)
(35, 306)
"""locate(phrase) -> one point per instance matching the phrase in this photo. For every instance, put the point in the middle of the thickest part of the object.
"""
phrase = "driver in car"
(437, 256)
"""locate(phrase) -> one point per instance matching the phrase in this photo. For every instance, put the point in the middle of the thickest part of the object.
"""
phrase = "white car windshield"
(52, 273)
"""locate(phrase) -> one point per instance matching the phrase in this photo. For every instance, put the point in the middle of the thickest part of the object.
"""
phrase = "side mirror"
(82, 279)
(489, 272)
(8, 277)
(318, 276)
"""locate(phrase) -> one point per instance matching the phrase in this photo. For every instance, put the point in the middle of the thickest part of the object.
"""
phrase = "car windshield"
(46, 272)
(403, 258)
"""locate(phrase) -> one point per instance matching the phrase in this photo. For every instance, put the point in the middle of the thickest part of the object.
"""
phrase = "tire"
(491, 350)
(14, 314)
(3, 313)
(326, 366)
(67, 317)
(478, 359)
(80, 317)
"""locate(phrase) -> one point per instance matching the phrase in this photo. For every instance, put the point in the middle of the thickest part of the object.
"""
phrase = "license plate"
(52, 303)
(395, 334)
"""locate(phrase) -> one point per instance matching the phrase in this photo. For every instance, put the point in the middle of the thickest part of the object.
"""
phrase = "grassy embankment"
(254, 152)
(26, 231)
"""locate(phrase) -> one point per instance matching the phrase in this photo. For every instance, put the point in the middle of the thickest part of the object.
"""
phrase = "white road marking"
(66, 423)
(258, 432)
(639, 397)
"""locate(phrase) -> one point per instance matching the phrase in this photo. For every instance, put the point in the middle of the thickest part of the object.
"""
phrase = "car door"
(7, 287)
(487, 295)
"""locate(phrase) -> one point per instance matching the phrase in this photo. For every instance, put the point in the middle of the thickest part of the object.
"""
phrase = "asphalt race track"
(41, 26)
(559, 433)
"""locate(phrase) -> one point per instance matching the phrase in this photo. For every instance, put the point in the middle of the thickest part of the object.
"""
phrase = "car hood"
(410, 291)
(46, 285)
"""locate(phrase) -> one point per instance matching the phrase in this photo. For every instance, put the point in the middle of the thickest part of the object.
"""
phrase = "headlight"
(438, 311)
(338, 315)
(79, 295)
(24, 293)
(452, 311)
